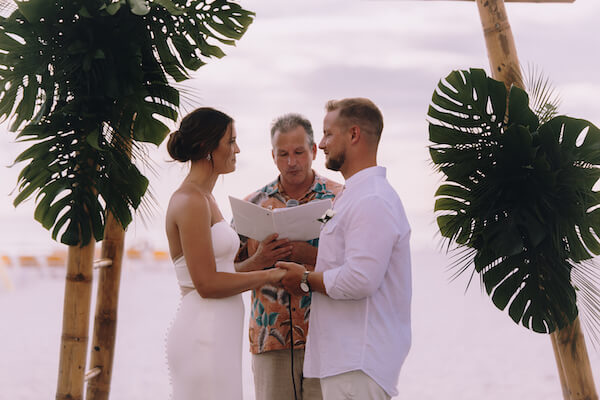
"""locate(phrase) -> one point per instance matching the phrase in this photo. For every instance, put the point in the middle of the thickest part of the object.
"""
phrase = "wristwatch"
(304, 286)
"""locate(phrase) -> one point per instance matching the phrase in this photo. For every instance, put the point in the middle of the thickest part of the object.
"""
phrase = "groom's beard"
(336, 163)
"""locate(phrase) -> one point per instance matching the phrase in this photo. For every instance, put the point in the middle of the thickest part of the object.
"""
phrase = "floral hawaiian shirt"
(270, 318)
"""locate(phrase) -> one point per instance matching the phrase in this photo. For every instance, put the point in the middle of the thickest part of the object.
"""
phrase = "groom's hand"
(291, 280)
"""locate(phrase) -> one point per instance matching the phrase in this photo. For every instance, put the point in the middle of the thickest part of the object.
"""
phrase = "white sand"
(463, 347)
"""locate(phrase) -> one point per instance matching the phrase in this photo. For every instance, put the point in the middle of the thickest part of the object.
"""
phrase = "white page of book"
(300, 222)
(294, 223)
(251, 220)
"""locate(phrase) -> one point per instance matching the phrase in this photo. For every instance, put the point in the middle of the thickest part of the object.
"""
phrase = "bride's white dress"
(204, 344)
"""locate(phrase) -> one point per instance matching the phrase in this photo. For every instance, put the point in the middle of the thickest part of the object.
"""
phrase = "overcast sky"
(299, 54)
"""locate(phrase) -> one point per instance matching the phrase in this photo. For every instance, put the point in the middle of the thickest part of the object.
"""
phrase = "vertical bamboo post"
(575, 362)
(561, 369)
(76, 319)
(105, 323)
(570, 351)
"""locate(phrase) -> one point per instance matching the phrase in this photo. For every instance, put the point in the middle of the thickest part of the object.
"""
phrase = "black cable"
(292, 344)
(292, 203)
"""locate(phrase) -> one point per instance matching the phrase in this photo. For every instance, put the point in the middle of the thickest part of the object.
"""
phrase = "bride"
(204, 345)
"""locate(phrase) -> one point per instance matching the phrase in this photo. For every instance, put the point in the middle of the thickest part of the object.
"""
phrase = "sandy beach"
(463, 347)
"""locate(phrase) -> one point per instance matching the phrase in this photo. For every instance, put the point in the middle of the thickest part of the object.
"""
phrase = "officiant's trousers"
(273, 376)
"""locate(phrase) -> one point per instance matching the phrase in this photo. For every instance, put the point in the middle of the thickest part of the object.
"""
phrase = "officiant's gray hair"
(290, 121)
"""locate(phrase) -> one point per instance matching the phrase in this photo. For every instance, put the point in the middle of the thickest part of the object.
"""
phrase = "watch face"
(304, 287)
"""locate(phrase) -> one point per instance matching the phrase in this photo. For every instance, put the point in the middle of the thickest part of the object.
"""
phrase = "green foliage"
(85, 81)
(517, 196)
(543, 99)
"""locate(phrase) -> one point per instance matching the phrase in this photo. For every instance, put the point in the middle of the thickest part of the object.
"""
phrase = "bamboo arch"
(570, 352)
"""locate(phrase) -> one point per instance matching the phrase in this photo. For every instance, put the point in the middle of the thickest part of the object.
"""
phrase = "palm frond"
(544, 100)
(189, 95)
(586, 280)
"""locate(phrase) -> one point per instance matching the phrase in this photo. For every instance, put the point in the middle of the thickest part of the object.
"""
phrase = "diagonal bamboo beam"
(500, 43)
(107, 302)
(105, 323)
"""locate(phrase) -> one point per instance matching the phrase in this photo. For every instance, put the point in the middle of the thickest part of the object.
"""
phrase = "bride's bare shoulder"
(188, 198)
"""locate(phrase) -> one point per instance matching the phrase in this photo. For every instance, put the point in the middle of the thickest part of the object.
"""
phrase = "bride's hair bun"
(198, 135)
(175, 147)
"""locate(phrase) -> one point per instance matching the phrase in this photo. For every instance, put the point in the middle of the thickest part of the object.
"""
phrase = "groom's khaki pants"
(353, 385)
(273, 377)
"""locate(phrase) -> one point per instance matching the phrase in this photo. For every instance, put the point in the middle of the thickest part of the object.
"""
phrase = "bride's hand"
(275, 275)
(293, 276)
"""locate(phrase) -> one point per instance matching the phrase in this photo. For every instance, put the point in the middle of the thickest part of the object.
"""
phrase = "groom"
(359, 330)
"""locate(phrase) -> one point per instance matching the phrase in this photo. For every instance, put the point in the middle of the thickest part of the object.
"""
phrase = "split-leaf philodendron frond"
(82, 79)
(518, 196)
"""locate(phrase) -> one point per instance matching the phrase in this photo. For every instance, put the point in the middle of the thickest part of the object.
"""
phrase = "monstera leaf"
(518, 196)
(86, 82)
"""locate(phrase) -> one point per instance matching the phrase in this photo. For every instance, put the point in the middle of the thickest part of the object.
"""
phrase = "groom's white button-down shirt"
(364, 321)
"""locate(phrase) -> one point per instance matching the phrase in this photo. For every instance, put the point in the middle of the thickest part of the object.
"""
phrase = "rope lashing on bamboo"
(102, 263)
(92, 373)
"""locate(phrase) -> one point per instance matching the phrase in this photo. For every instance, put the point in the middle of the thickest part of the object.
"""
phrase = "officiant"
(278, 321)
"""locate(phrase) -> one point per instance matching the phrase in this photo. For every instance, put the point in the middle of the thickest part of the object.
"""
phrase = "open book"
(294, 223)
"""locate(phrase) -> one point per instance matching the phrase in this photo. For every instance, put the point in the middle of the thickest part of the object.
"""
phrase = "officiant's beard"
(336, 163)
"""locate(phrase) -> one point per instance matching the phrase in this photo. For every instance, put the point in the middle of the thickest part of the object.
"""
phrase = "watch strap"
(305, 281)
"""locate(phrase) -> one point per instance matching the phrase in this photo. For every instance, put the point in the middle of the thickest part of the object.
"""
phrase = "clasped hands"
(288, 257)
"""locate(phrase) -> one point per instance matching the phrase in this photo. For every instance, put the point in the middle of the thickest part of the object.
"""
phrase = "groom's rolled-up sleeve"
(370, 235)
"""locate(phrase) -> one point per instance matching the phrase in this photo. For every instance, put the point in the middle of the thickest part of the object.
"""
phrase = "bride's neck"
(203, 175)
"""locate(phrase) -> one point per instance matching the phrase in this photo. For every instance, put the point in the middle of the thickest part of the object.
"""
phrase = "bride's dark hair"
(198, 135)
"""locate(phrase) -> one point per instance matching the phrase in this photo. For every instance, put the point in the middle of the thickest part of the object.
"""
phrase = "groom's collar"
(365, 174)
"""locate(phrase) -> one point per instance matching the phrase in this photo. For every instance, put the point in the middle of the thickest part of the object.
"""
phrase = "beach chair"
(160, 255)
(57, 263)
(6, 261)
(28, 261)
(5, 280)
(133, 254)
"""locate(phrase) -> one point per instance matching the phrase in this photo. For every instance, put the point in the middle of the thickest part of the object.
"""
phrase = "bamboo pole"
(107, 301)
(561, 369)
(521, 1)
(105, 324)
(570, 351)
(575, 362)
(76, 319)
(500, 43)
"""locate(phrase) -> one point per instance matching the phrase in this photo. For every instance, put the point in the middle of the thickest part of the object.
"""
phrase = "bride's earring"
(209, 157)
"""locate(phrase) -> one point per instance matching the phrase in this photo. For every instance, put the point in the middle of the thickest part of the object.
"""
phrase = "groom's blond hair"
(359, 111)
